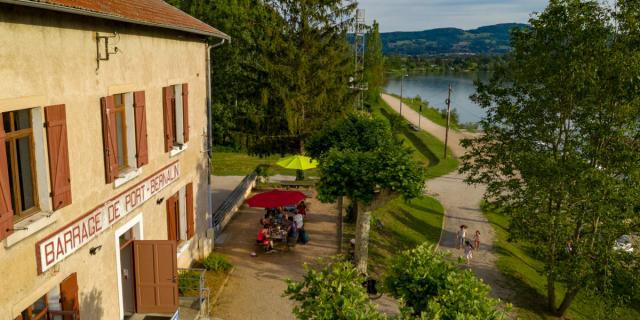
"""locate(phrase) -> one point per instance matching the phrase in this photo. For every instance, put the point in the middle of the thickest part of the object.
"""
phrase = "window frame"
(44, 313)
(11, 138)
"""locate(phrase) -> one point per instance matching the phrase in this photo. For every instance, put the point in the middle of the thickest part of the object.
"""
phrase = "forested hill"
(482, 41)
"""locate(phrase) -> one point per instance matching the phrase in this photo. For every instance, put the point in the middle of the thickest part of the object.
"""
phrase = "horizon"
(416, 15)
(464, 29)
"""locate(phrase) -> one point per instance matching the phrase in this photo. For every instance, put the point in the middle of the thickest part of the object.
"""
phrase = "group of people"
(290, 221)
(467, 245)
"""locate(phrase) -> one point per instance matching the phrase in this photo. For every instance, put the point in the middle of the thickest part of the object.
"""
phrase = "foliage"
(188, 281)
(374, 63)
(434, 287)
(216, 262)
(355, 132)
(560, 154)
(488, 40)
(453, 116)
(283, 75)
(226, 163)
(360, 175)
(333, 292)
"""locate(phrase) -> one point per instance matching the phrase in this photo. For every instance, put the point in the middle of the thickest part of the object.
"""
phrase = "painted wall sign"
(68, 239)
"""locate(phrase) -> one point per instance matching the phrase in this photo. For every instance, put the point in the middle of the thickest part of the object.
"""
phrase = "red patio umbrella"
(276, 198)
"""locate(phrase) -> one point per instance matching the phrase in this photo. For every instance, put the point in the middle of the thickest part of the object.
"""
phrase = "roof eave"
(54, 7)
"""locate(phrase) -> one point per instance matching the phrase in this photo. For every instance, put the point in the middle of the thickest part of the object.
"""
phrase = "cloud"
(411, 15)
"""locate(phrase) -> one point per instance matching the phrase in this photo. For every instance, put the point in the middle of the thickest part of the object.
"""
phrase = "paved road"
(462, 206)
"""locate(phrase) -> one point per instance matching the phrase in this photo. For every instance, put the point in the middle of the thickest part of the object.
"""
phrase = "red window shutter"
(190, 215)
(109, 138)
(172, 218)
(185, 111)
(167, 103)
(6, 210)
(69, 296)
(58, 156)
(142, 154)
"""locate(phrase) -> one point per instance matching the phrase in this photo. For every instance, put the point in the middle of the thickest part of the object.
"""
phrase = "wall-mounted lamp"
(103, 47)
(159, 201)
(94, 250)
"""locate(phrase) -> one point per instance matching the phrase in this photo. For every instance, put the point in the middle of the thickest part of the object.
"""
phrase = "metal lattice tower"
(358, 81)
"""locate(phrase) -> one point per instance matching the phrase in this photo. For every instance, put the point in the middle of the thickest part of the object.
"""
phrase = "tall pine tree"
(374, 63)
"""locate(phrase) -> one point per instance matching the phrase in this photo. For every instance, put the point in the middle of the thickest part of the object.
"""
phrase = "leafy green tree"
(333, 292)
(435, 288)
(367, 177)
(374, 63)
(309, 63)
(560, 151)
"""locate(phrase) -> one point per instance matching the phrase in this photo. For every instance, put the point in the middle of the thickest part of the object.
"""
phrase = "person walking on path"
(476, 240)
(468, 252)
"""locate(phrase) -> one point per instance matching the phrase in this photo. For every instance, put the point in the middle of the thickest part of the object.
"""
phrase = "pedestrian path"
(462, 206)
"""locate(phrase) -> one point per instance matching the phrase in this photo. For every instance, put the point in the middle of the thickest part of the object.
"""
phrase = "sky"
(417, 15)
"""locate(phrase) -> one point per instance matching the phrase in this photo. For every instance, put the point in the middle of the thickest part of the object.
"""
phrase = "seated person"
(263, 238)
(292, 232)
(279, 216)
(299, 219)
(302, 208)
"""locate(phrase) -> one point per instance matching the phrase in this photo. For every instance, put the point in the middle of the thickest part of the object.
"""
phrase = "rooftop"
(156, 13)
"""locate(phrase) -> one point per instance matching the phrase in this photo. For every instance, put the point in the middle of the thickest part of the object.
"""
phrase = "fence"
(194, 295)
(223, 214)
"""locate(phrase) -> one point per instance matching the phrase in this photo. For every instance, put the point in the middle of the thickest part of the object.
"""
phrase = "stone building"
(104, 184)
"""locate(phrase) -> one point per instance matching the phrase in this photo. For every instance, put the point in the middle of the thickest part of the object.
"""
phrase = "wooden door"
(156, 275)
(69, 297)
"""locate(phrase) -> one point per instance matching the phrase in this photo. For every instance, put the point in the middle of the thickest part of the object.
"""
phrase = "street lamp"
(401, 88)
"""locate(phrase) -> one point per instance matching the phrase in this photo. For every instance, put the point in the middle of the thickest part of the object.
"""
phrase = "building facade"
(104, 164)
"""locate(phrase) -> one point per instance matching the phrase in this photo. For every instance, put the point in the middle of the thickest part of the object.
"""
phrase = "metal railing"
(192, 290)
(233, 201)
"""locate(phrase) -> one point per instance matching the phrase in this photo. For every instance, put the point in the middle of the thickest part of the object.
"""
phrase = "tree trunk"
(340, 219)
(566, 301)
(551, 293)
(363, 225)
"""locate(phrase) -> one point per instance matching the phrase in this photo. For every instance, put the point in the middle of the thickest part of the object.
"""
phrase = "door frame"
(136, 224)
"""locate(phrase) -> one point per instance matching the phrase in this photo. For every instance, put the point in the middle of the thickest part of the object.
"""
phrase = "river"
(433, 88)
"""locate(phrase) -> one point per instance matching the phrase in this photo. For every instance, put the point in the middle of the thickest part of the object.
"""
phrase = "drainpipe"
(210, 127)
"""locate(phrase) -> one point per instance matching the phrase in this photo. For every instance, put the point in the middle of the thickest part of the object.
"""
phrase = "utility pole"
(446, 135)
(401, 88)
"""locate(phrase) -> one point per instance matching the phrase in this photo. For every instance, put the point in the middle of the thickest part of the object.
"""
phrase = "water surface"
(434, 88)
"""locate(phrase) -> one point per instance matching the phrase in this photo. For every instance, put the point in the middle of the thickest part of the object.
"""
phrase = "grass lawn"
(521, 267)
(427, 148)
(401, 225)
(241, 164)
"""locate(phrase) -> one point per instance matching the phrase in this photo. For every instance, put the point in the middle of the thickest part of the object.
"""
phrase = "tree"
(367, 176)
(333, 292)
(434, 288)
(374, 63)
(560, 152)
(309, 63)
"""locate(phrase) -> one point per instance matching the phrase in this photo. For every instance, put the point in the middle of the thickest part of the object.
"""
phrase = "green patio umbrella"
(297, 162)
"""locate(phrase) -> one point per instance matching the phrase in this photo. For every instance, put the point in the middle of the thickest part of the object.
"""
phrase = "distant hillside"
(488, 40)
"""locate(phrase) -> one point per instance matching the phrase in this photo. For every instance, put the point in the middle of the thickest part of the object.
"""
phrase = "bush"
(434, 288)
(333, 292)
(216, 262)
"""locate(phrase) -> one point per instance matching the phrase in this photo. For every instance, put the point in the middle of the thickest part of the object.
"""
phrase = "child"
(468, 251)
(476, 240)
(461, 236)
(263, 238)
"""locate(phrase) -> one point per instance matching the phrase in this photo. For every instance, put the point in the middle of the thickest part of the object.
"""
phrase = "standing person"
(461, 236)
(468, 251)
(476, 240)
(302, 208)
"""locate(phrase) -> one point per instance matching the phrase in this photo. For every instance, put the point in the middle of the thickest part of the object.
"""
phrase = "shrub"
(188, 281)
(333, 292)
(216, 262)
(433, 287)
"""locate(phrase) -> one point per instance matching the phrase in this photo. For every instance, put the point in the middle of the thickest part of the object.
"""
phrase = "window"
(180, 217)
(59, 303)
(176, 116)
(121, 131)
(23, 167)
(19, 148)
(124, 132)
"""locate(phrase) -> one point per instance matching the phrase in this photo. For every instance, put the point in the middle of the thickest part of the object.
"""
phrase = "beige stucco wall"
(49, 58)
